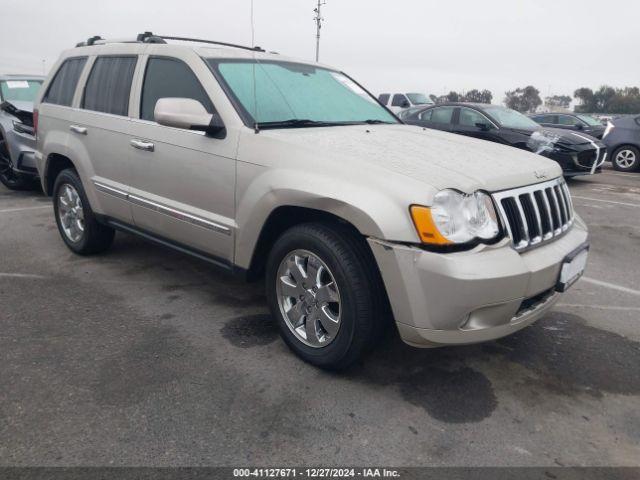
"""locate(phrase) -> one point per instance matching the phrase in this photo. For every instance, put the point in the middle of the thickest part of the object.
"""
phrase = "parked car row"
(289, 171)
(577, 154)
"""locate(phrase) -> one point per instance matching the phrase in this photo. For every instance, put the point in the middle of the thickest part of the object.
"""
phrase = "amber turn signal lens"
(427, 230)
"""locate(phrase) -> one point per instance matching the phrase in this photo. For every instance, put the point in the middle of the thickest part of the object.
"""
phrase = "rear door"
(438, 118)
(183, 181)
(100, 130)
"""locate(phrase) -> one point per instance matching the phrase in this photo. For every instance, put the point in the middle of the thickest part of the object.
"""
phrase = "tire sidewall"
(634, 167)
(336, 352)
(69, 177)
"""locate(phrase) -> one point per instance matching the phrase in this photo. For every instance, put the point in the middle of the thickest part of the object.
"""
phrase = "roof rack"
(148, 37)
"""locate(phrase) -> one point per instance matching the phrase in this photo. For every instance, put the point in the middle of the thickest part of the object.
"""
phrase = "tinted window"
(469, 118)
(568, 120)
(109, 85)
(544, 118)
(442, 115)
(426, 115)
(399, 101)
(64, 83)
(166, 77)
(384, 98)
(19, 90)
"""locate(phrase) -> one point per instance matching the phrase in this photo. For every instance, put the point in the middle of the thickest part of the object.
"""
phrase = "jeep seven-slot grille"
(535, 214)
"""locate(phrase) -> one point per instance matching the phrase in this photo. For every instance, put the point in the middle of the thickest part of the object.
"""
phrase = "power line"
(318, 19)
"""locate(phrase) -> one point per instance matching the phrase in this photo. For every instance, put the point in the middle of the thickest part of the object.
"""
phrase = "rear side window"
(442, 115)
(109, 85)
(64, 84)
(168, 77)
(384, 98)
(568, 120)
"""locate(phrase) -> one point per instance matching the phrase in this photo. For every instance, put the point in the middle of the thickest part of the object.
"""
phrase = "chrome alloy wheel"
(71, 213)
(308, 298)
(625, 158)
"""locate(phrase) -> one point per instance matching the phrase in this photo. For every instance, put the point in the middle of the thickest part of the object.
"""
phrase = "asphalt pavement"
(143, 356)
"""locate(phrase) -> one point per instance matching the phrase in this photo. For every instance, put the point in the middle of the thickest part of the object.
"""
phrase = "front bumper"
(21, 149)
(468, 297)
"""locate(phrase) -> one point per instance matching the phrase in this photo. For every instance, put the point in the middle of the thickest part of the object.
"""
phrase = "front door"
(182, 181)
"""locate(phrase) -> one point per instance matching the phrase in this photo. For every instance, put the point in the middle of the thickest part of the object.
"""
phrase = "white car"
(397, 102)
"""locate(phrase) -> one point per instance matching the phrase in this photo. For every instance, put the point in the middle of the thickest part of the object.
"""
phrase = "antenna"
(318, 19)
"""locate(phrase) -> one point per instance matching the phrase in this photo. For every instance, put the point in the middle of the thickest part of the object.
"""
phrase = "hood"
(439, 159)
(23, 111)
(546, 140)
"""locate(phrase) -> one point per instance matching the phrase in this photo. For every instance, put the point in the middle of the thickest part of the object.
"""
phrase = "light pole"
(318, 19)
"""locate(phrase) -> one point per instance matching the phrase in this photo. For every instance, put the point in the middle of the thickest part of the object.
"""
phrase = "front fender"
(262, 190)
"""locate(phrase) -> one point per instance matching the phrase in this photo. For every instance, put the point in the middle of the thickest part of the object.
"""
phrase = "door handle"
(78, 130)
(140, 145)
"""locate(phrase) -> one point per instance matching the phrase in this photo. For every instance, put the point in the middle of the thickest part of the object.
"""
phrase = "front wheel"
(626, 159)
(77, 224)
(325, 293)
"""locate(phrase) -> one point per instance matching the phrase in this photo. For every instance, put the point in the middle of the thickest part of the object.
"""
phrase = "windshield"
(19, 90)
(274, 92)
(419, 99)
(589, 120)
(510, 118)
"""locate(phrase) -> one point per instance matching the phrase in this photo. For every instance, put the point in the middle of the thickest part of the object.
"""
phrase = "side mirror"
(579, 126)
(405, 104)
(188, 114)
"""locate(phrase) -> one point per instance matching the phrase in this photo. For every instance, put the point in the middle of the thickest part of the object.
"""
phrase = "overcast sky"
(402, 45)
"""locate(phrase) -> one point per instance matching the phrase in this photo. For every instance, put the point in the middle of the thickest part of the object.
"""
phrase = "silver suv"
(290, 171)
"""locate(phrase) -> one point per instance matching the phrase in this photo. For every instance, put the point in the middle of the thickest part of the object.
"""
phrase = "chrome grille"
(535, 214)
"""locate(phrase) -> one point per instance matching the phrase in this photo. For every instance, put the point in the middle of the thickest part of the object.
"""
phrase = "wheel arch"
(55, 164)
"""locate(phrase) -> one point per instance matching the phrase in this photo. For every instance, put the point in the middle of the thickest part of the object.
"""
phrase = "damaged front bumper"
(468, 297)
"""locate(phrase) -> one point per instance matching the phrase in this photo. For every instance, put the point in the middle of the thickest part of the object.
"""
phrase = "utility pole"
(318, 19)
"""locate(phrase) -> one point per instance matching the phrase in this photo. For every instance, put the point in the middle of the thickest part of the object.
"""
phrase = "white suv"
(398, 102)
(274, 168)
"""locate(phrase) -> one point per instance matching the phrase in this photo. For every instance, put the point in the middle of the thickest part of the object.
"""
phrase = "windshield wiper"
(377, 122)
(296, 123)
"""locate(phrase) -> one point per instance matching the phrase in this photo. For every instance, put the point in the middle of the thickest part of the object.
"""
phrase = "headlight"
(456, 218)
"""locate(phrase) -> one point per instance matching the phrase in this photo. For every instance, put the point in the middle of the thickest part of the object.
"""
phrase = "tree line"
(606, 99)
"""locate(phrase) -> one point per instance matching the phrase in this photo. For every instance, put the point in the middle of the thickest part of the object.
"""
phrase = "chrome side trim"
(114, 192)
(178, 214)
(163, 209)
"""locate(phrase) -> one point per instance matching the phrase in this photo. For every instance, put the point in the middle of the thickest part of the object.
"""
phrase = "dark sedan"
(571, 121)
(623, 140)
(576, 152)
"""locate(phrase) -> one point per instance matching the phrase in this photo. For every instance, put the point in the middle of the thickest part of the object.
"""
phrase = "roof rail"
(149, 37)
(213, 42)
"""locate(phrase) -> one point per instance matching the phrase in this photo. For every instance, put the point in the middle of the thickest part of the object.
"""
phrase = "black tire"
(630, 152)
(96, 237)
(8, 177)
(363, 302)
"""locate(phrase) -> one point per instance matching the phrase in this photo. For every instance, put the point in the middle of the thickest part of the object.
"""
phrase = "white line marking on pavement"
(612, 286)
(600, 307)
(11, 210)
(637, 205)
(22, 275)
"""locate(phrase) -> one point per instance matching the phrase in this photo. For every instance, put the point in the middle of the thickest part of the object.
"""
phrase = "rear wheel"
(325, 294)
(8, 176)
(626, 159)
(77, 224)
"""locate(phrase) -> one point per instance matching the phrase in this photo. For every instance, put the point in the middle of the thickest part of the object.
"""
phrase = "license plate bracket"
(573, 267)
